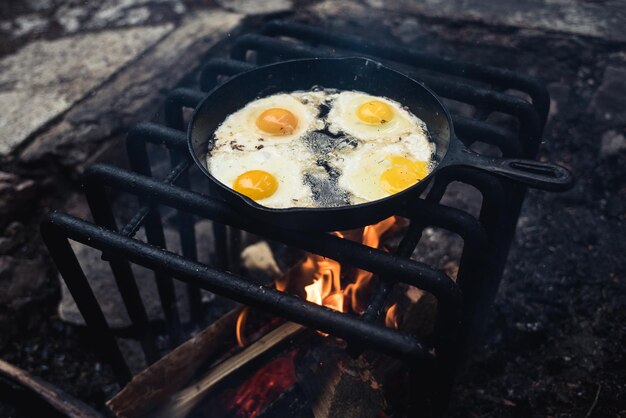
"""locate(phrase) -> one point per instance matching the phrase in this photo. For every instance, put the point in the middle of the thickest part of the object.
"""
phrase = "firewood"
(183, 402)
(155, 384)
(64, 404)
(340, 386)
(417, 310)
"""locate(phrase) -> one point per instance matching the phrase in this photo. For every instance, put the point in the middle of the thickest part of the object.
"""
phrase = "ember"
(262, 388)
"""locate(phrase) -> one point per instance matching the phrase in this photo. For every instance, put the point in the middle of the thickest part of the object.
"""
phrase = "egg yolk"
(277, 121)
(402, 174)
(374, 112)
(256, 184)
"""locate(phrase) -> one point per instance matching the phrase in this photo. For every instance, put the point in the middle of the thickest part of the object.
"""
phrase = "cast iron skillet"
(350, 74)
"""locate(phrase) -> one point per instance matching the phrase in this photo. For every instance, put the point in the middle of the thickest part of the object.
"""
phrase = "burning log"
(414, 311)
(155, 384)
(64, 404)
(339, 386)
(183, 402)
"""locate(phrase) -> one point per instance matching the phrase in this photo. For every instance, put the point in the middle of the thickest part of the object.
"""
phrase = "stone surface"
(45, 78)
(131, 95)
(605, 19)
(254, 7)
(613, 143)
(609, 101)
(13, 236)
(15, 194)
(103, 285)
(21, 284)
(116, 13)
(29, 24)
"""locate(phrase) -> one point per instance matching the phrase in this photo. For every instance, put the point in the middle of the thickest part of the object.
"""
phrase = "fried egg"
(276, 119)
(320, 148)
(375, 171)
(272, 176)
(371, 118)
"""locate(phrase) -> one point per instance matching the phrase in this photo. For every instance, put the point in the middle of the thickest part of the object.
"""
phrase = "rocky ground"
(554, 345)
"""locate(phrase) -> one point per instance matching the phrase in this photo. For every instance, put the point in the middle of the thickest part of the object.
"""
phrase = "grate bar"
(73, 275)
(220, 67)
(176, 101)
(500, 77)
(447, 88)
(131, 228)
(327, 245)
(344, 326)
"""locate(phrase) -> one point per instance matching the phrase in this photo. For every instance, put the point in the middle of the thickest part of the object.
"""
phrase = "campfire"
(361, 322)
(325, 277)
(323, 281)
(317, 279)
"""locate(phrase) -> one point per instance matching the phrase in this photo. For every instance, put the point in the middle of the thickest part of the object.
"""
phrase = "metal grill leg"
(124, 277)
(65, 260)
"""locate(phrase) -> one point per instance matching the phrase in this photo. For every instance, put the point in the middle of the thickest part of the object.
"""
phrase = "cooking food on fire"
(320, 148)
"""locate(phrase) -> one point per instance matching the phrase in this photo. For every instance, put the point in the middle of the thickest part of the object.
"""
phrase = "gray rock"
(605, 19)
(254, 7)
(135, 16)
(613, 143)
(40, 5)
(44, 79)
(29, 24)
(70, 18)
(408, 30)
(23, 284)
(116, 13)
(609, 101)
(14, 235)
(130, 96)
(15, 194)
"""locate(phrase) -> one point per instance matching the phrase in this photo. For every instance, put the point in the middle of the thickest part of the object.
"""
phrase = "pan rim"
(291, 210)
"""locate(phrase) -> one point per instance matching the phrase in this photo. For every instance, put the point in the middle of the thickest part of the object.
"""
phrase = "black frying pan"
(351, 74)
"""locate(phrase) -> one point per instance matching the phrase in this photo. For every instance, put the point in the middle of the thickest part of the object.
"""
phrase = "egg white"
(362, 168)
(240, 146)
(240, 133)
(343, 118)
(283, 161)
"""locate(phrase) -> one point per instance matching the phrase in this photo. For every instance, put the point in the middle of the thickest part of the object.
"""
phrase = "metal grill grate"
(486, 238)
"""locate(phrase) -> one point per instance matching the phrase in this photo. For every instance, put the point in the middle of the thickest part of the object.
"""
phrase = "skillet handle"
(545, 176)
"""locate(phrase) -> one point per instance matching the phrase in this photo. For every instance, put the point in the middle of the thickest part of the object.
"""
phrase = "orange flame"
(391, 319)
(241, 321)
(358, 291)
(325, 288)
